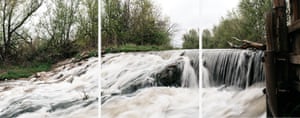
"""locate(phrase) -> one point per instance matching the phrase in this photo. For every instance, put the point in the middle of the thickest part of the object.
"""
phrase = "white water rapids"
(150, 85)
(233, 84)
(164, 85)
(233, 102)
(68, 91)
(142, 85)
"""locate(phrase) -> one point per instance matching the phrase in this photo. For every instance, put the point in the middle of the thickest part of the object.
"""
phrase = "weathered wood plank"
(294, 26)
(295, 59)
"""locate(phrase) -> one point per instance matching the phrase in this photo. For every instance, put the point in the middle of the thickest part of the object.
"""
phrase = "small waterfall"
(150, 84)
(189, 77)
(129, 72)
(229, 67)
(233, 84)
(205, 77)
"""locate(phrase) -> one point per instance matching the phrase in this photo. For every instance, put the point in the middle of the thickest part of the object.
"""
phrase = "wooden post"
(269, 66)
(276, 58)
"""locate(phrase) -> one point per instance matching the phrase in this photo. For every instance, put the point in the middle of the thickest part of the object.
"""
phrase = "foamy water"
(150, 85)
(154, 102)
(233, 82)
(232, 102)
(68, 91)
(138, 85)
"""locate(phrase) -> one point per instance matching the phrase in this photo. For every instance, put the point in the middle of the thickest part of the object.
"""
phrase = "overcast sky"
(213, 10)
(185, 13)
(194, 14)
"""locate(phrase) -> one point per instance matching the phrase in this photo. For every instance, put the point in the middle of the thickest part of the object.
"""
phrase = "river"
(150, 85)
(68, 91)
(233, 83)
(162, 84)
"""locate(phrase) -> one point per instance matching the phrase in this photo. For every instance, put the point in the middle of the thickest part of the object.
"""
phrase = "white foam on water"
(123, 70)
(67, 91)
(189, 78)
(155, 102)
(205, 77)
(248, 103)
(118, 71)
(233, 83)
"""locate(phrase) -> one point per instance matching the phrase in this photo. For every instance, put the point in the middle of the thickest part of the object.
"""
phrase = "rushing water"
(68, 91)
(143, 85)
(150, 85)
(233, 82)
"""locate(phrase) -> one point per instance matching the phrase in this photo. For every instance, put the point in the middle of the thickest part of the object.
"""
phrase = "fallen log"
(233, 45)
(247, 44)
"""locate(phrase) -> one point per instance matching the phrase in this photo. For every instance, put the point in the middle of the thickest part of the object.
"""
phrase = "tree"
(61, 27)
(191, 39)
(110, 22)
(13, 15)
(133, 22)
(252, 17)
(87, 33)
(229, 27)
(246, 23)
(206, 39)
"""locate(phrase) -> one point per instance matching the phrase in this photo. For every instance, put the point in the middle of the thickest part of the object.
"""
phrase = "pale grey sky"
(213, 10)
(194, 14)
(185, 13)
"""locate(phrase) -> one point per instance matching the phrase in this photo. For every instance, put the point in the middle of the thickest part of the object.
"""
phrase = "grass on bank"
(14, 72)
(8, 72)
(135, 48)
